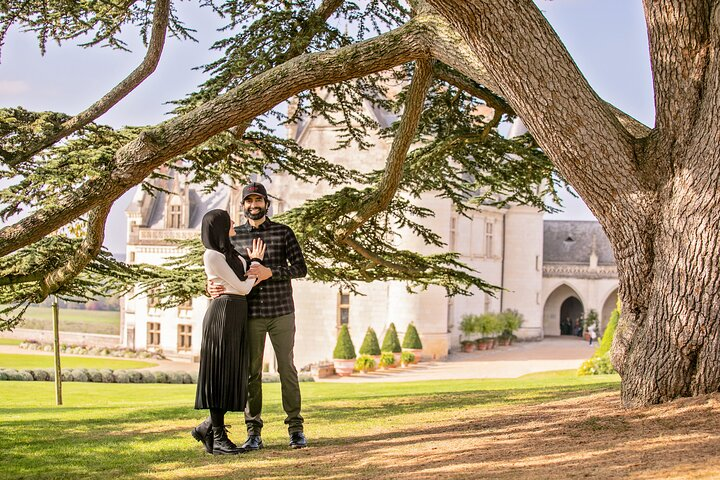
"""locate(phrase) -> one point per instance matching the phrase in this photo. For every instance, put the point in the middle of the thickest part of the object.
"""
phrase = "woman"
(223, 375)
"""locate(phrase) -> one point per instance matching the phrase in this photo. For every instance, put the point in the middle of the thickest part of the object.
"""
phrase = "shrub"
(370, 345)
(387, 359)
(412, 338)
(3, 375)
(365, 363)
(66, 375)
(175, 377)
(25, 376)
(107, 375)
(121, 376)
(391, 342)
(467, 325)
(41, 375)
(79, 375)
(407, 357)
(186, 378)
(607, 338)
(591, 320)
(161, 377)
(148, 377)
(486, 324)
(511, 321)
(194, 376)
(596, 366)
(135, 376)
(344, 348)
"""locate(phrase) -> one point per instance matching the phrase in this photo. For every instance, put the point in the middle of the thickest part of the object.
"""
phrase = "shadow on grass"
(135, 441)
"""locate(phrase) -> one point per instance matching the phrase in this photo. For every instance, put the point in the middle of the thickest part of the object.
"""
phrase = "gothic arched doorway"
(571, 311)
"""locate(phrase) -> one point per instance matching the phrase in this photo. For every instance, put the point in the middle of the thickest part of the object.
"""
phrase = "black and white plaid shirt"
(273, 297)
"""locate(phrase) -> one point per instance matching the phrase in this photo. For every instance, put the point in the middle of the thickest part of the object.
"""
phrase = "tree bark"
(656, 193)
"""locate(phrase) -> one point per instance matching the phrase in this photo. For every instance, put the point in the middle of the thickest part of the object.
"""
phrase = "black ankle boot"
(203, 433)
(222, 445)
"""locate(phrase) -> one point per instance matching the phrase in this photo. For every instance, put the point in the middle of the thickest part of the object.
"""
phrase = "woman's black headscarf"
(215, 235)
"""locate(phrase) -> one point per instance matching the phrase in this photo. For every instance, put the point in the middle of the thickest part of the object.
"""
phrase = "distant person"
(592, 334)
(224, 356)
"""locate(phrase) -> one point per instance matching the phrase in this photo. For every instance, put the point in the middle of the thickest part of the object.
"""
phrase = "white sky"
(607, 39)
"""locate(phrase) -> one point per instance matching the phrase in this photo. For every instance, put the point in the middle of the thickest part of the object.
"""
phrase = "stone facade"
(506, 246)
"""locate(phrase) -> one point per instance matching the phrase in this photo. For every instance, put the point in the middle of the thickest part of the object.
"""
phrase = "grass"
(83, 321)
(19, 360)
(142, 430)
(10, 341)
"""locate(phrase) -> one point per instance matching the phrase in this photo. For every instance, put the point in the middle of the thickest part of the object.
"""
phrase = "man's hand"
(262, 272)
(215, 290)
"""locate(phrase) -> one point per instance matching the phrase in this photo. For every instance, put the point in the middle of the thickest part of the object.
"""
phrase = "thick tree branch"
(376, 259)
(680, 50)
(161, 16)
(458, 80)
(537, 76)
(89, 249)
(381, 197)
(172, 138)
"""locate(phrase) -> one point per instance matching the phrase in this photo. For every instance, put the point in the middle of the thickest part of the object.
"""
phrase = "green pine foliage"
(391, 341)
(344, 348)
(412, 338)
(370, 345)
(457, 152)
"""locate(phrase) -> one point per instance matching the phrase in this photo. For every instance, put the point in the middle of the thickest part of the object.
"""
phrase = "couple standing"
(247, 304)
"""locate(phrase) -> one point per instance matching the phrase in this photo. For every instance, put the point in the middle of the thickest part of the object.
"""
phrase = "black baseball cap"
(254, 188)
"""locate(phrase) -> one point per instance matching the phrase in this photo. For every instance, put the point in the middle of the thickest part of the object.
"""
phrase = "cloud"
(13, 87)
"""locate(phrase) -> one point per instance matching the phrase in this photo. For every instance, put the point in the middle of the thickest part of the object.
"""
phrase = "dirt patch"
(583, 437)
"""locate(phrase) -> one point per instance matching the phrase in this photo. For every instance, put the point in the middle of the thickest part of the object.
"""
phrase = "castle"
(552, 272)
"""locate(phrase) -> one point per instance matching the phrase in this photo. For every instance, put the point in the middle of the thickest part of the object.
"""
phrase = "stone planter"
(322, 370)
(344, 368)
(467, 346)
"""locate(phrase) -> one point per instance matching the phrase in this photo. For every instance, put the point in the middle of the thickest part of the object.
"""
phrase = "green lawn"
(85, 321)
(10, 341)
(19, 360)
(142, 430)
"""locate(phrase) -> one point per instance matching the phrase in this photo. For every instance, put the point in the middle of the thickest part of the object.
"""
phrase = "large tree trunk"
(657, 195)
(668, 341)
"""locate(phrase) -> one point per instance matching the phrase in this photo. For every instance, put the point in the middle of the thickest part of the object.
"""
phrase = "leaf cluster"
(23, 272)
(102, 21)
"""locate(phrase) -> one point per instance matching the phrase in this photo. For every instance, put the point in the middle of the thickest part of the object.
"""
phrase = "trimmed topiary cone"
(370, 345)
(344, 349)
(391, 342)
(411, 340)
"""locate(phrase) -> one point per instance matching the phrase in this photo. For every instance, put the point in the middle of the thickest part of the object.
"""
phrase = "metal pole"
(56, 341)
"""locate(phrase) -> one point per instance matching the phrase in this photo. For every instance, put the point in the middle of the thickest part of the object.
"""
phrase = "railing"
(580, 271)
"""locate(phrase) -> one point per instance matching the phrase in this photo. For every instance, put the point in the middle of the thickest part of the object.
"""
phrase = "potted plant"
(370, 345)
(391, 343)
(484, 325)
(365, 364)
(467, 327)
(590, 321)
(387, 360)
(511, 321)
(406, 358)
(411, 342)
(344, 353)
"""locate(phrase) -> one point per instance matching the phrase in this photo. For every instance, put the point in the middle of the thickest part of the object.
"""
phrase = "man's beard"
(255, 216)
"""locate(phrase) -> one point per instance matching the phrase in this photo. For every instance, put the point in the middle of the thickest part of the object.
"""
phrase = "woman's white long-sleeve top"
(219, 272)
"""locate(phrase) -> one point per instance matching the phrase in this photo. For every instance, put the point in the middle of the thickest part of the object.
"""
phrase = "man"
(270, 311)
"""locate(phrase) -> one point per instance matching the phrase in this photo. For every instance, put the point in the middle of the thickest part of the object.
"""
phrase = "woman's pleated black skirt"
(224, 358)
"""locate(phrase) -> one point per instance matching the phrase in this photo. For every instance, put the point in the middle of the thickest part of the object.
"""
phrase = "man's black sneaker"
(253, 442)
(298, 440)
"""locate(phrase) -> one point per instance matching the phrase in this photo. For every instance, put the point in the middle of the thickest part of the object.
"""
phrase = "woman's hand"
(258, 249)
